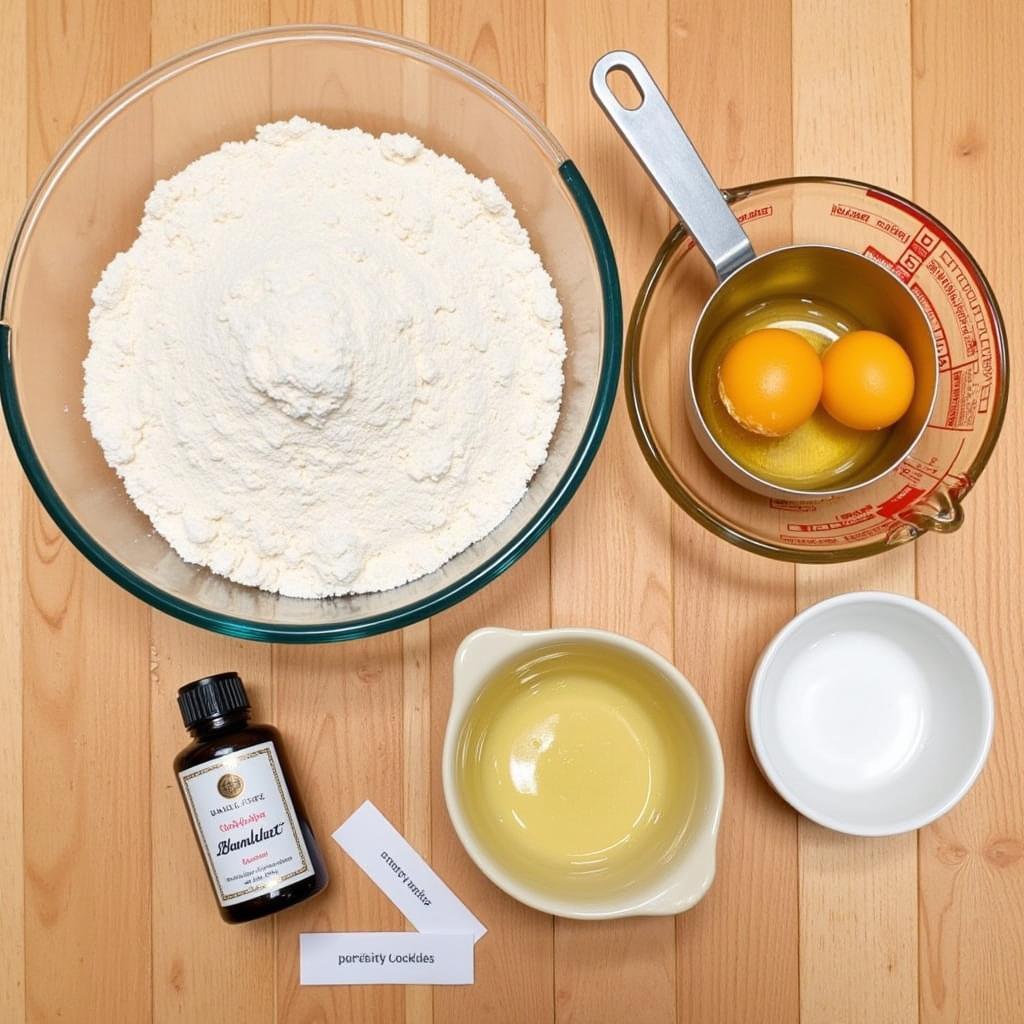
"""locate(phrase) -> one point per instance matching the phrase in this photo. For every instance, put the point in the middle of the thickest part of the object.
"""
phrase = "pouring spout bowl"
(675, 885)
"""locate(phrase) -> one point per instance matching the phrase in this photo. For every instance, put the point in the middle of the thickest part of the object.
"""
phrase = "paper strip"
(385, 958)
(403, 875)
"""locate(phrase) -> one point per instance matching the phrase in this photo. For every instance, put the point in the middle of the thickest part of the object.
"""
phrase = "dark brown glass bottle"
(259, 848)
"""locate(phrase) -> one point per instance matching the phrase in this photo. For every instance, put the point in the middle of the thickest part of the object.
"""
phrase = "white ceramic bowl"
(677, 885)
(870, 713)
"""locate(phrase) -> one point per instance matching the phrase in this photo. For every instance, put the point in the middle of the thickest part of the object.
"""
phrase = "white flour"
(329, 362)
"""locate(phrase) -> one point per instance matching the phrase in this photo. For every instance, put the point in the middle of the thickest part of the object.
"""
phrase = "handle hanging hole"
(625, 88)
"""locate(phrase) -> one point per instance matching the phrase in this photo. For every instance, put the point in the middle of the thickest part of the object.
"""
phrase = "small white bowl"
(681, 882)
(870, 714)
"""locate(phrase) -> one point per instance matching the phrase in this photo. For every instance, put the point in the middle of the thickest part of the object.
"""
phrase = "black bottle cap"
(212, 697)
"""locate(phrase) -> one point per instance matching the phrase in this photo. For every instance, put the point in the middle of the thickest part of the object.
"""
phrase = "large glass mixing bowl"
(88, 205)
(926, 490)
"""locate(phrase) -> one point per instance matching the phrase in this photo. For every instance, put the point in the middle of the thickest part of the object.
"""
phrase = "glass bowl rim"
(646, 437)
(490, 568)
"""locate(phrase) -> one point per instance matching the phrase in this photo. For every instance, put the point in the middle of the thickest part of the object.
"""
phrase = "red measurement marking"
(925, 240)
(850, 213)
(784, 505)
(960, 366)
(921, 245)
(930, 234)
(879, 257)
(900, 500)
(811, 542)
(929, 228)
(941, 343)
(815, 527)
(889, 227)
(757, 214)
(912, 466)
(934, 486)
(873, 530)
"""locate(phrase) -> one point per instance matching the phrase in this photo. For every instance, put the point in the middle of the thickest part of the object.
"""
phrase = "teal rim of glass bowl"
(492, 568)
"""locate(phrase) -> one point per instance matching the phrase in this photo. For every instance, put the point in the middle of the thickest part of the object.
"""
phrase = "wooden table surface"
(114, 921)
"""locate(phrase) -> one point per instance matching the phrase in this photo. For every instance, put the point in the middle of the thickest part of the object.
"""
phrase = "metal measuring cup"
(847, 279)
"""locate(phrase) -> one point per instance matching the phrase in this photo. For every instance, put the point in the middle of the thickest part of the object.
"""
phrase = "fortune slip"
(404, 876)
(385, 958)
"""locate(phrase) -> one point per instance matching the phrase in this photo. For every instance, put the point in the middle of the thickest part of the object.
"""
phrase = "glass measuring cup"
(926, 490)
(802, 275)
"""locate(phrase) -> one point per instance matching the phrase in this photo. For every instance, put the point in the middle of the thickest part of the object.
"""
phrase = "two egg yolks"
(772, 380)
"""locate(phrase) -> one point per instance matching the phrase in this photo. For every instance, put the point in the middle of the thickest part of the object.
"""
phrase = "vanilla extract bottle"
(260, 851)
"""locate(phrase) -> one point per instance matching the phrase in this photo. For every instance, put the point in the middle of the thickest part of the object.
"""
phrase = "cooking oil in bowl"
(821, 453)
(578, 770)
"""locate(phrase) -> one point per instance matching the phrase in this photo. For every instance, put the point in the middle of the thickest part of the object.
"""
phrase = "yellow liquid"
(820, 453)
(579, 770)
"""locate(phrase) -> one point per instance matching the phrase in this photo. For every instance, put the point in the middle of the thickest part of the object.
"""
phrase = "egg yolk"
(770, 381)
(868, 380)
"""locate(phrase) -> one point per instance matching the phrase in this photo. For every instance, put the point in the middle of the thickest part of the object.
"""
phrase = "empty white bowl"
(870, 713)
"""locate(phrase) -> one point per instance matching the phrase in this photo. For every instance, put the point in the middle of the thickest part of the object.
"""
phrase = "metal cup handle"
(661, 145)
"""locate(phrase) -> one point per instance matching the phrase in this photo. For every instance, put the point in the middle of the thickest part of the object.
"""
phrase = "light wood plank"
(502, 38)
(514, 961)
(344, 710)
(382, 14)
(416, 19)
(416, 765)
(858, 898)
(87, 786)
(969, 168)
(191, 944)
(417, 698)
(514, 978)
(340, 710)
(13, 184)
(729, 603)
(179, 24)
(85, 644)
(189, 980)
(611, 550)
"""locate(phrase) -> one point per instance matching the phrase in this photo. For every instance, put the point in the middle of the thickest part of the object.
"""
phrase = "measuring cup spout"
(664, 149)
(941, 512)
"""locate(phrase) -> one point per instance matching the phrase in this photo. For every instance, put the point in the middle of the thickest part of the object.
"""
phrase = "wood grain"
(340, 711)
(514, 961)
(611, 551)
(382, 14)
(417, 822)
(346, 720)
(190, 946)
(801, 925)
(503, 38)
(360, 716)
(13, 186)
(189, 982)
(179, 24)
(968, 170)
(728, 603)
(416, 689)
(85, 645)
(858, 897)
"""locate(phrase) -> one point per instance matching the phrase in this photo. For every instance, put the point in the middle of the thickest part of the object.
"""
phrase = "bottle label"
(246, 824)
